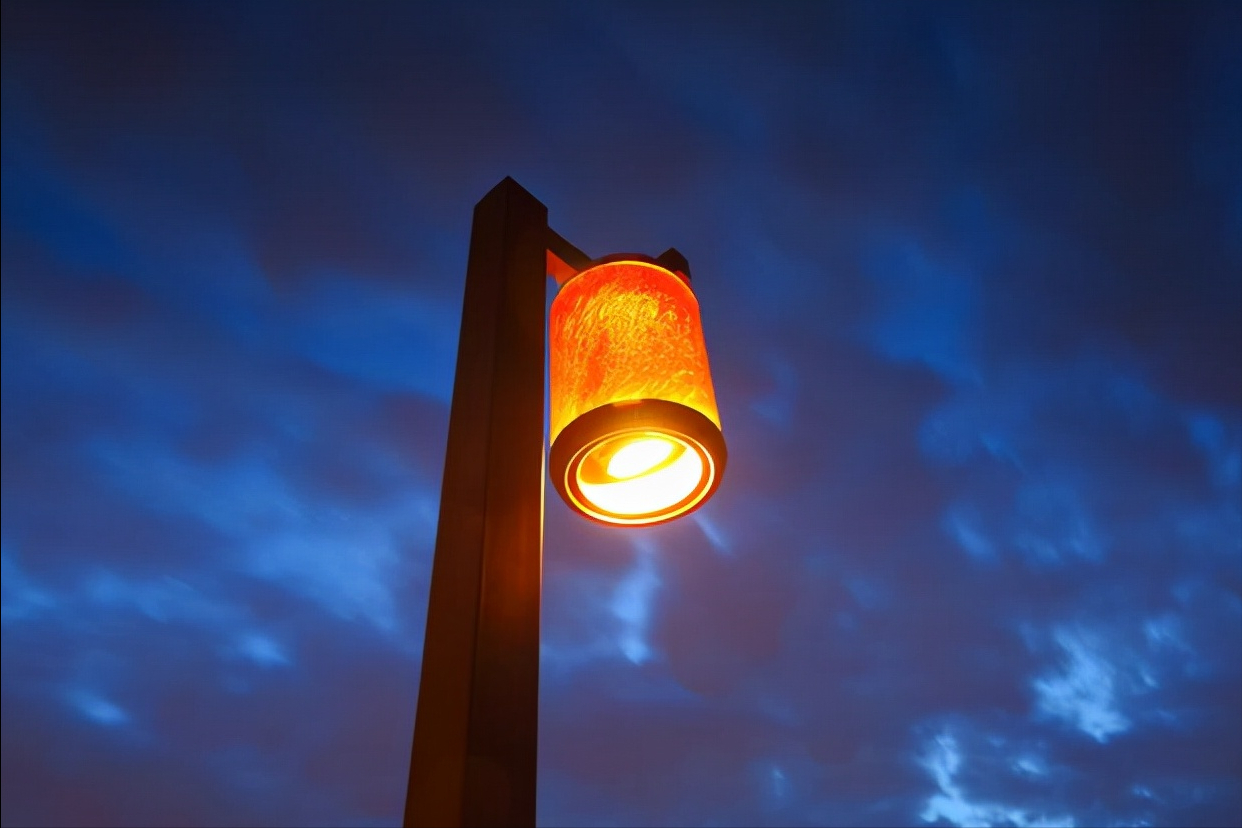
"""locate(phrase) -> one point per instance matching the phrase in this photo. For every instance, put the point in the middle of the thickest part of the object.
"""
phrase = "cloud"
(943, 762)
(631, 604)
(23, 598)
(1084, 693)
(97, 709)
(928, 312)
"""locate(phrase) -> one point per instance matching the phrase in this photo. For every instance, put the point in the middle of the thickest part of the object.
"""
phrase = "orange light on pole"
(635, 432)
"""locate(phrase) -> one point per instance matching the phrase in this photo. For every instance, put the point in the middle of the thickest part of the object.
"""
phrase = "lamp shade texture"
(635, 431)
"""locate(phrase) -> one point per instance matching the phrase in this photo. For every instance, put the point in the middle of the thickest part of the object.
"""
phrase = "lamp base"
(678, 423)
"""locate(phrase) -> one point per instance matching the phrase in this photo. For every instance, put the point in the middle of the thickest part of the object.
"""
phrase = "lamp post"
(636, 440)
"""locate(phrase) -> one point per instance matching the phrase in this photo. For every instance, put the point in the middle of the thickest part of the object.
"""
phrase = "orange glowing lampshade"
(635, 432)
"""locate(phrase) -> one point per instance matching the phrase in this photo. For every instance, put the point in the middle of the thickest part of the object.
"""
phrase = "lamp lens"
(639, 455)
(640, 473)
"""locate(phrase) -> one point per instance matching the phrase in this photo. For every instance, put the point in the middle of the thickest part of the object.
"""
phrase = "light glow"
(639, 456)
(632, 477)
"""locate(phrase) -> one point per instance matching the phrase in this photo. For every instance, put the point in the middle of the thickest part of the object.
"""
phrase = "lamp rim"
(607, 421)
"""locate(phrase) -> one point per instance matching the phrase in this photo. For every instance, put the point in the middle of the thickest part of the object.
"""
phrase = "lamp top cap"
(671, 260)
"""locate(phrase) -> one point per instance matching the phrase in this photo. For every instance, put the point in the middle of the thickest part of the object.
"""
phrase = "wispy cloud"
(944, 761)
(1084, 691)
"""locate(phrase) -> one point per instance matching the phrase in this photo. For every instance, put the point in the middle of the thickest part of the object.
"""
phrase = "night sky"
(971, 282)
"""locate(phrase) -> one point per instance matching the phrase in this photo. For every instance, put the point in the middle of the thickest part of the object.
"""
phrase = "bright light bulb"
(639, 456)
(648, 476)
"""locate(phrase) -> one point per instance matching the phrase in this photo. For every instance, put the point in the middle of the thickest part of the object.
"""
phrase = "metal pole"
(476, 728)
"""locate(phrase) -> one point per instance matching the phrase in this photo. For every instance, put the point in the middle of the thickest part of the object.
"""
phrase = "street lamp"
(634, 428)
(635, 440)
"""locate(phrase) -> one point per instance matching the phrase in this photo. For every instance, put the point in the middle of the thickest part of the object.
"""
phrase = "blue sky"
(970, 276)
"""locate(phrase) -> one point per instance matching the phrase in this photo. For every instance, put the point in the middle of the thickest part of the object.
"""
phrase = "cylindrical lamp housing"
(635, 432)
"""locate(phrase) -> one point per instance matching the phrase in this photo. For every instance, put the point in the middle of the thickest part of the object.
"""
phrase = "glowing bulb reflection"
(639, 457)
(642, 476)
